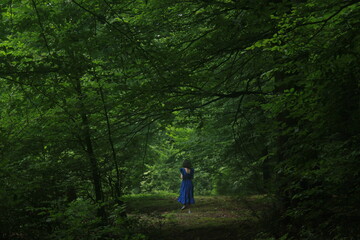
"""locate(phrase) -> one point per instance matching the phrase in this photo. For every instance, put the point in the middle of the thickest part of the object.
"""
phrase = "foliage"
(104, 98)
(79, 221)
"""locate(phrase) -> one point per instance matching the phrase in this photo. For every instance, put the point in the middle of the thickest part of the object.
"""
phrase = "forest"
(101, 101)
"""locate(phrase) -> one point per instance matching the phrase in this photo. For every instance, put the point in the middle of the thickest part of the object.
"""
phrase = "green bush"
(79, 221)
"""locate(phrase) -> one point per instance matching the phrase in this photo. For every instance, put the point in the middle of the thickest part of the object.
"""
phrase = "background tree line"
(104, 98)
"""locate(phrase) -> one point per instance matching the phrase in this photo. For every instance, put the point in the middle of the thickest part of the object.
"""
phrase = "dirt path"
(212, 217)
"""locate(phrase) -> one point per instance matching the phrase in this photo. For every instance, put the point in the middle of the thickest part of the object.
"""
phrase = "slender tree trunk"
(266, 171)
(94, 165)
(117, 185)
(280, 178)
(144, 157)
(96, 176)
(111, 142)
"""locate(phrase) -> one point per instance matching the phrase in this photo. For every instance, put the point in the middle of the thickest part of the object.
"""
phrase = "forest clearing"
(212, 217)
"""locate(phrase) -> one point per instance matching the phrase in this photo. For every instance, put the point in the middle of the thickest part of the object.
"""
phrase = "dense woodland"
(100, 99)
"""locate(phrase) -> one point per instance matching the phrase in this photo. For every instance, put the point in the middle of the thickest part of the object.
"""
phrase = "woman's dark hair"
(187, 164)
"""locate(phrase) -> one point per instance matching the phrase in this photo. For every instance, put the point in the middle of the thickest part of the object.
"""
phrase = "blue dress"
(187, 188)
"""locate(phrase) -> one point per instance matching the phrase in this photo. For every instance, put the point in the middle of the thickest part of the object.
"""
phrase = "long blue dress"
(187, 188)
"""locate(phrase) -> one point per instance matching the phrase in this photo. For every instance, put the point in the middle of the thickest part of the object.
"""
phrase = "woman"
(187, 189)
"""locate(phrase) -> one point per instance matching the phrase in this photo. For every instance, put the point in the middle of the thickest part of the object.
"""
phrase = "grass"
(210, 218)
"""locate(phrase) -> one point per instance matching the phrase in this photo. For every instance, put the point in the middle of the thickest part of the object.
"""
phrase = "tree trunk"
(95, 172)
(117, 185)
(111, 142)
(266, 171)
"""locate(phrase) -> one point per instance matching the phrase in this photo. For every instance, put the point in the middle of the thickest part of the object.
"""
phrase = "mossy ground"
(212, 217)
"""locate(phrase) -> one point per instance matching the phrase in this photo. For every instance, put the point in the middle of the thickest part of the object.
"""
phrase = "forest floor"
(212, 217)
